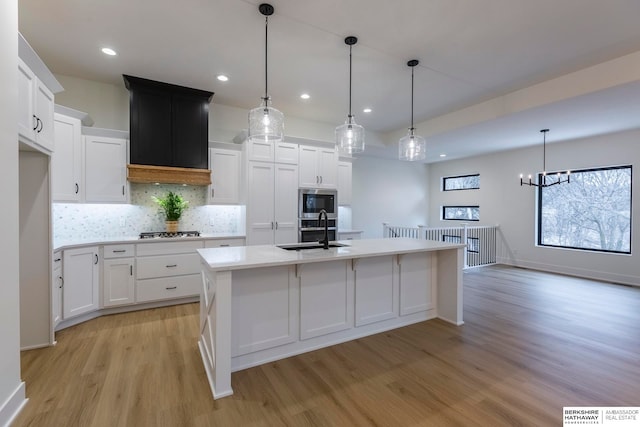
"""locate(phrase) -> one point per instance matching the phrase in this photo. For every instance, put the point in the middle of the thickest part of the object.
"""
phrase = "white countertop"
(244, 257)
(72, 243)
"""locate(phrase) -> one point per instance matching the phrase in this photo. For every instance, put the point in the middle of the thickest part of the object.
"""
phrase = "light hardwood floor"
(532, 343)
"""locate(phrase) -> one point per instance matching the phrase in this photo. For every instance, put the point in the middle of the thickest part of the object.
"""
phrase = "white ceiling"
(469, 52)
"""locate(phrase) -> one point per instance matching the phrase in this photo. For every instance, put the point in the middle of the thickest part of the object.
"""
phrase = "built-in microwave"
(312, 200)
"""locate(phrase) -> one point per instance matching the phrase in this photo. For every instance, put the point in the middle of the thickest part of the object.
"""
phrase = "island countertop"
(244, 257)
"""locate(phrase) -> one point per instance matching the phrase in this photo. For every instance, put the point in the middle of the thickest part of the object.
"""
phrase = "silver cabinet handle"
(123, 190)
(213, 192)
(131, 270)
(96, 255)
(77, 188)
(321, 179)
(276, 225)
(57, 260)
(61, 282)
(272, 225)
(119, 251)
(41, 125)
(224, 246)
(172, 287)
(173, 265)
(36, 122)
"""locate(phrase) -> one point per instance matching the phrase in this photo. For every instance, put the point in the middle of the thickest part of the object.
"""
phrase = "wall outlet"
(211, 220)
(123, 222)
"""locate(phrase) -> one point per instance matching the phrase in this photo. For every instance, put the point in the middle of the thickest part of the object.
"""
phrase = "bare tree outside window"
(593, 212)
(461, 213)
(465, 182)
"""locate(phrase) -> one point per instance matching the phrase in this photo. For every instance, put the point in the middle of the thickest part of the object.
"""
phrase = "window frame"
(445, 178)
(444, 208)
(573, 172)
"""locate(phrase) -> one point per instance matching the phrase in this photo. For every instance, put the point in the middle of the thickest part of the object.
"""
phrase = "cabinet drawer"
(119, 251)
(163, 248)
(168, 288)
(222, 243)
(167, 265)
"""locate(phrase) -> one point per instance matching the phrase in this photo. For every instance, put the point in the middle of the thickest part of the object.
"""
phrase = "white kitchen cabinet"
(105, 170)
(66, 161)
(81, 281)
(118, 281)
(318, 167)
(167, 270)
(272, 215)
(35, 110)
(56, 289)
(279, 152)
(344, 183)
(225, 168)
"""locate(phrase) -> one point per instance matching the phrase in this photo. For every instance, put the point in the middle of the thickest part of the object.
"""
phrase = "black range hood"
(169, 129)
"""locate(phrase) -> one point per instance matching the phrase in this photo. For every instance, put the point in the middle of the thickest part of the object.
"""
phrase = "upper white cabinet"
(66, 161)
(344, 183)
(279, 152)
(105, 169)
(35, 110)
(225, 168)
(318, 167)
(88, 168)
(272, 203)
(81, 281)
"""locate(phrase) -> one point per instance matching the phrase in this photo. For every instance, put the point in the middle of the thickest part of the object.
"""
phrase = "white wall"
(390, 191)
(503, 201)
(11, 389)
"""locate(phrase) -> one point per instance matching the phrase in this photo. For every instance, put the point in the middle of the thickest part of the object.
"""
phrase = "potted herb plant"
(172, 205)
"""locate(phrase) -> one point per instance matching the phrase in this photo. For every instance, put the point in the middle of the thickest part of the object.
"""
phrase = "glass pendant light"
(265, 122)
(350, 136)
(412, 147)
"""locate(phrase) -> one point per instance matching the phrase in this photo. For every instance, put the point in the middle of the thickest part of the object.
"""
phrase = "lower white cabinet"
(167, 270)
(118, 281)
(81, 281)
(56, 289)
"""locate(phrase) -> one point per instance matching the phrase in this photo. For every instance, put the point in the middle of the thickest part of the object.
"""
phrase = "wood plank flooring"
(532, 343)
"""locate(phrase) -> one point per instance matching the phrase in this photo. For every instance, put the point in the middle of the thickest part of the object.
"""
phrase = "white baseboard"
(12, 406)
(572, 271)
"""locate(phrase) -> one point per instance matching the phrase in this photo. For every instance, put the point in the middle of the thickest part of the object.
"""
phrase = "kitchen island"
(263, 303)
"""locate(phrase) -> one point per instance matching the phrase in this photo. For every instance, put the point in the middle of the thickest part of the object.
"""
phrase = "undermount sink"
(310, 245)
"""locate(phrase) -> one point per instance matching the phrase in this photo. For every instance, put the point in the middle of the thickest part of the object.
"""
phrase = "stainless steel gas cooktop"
(164, 234)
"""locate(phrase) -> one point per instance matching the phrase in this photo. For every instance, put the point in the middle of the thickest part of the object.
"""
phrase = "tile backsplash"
(75, 220)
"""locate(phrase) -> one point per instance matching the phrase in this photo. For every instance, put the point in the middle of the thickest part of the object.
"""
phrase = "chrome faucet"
(325, 241)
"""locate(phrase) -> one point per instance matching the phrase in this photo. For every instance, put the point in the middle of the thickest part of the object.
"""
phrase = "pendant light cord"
(266, 38)
(350, 49)
(544, 150)
(412, 100)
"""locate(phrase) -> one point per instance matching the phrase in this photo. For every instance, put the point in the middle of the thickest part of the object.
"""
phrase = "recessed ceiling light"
(443, 155)
(108, 51)
(222, 78)
(366, 110)
(305, 96)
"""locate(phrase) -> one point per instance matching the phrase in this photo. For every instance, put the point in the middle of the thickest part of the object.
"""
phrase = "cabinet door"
(286, 203)
(118, 282)
(80, 273)
(286, 152)
(344, 183)
(328, 167)
(308, 164)
(66, 160)
(43, 108)
(26, 97)
(260, 209)
(56, 290)
(105, 164)
(260, 151)
(225, 176)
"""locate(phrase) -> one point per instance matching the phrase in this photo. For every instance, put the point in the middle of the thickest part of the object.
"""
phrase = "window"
(463, 182)
(593, 212)
(461, 213)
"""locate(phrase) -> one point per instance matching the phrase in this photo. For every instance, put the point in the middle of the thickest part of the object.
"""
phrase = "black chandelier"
(562, 177)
